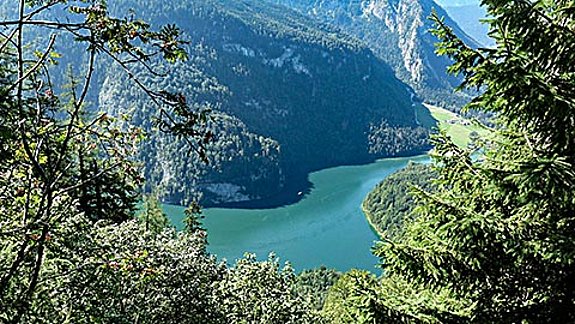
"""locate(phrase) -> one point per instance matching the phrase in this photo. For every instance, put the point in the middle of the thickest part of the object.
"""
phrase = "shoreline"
(367, 216)
(289, 195)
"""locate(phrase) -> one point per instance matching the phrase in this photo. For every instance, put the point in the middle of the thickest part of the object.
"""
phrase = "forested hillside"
(389, 206)
(287, 95)
(292, 96)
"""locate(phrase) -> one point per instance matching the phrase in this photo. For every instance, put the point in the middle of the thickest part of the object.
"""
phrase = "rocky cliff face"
(398, 32)
(405, 20)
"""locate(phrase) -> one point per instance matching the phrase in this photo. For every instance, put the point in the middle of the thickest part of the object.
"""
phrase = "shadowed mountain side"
(303, 96)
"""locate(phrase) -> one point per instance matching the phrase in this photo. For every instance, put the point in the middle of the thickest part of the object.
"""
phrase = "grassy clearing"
(457, 127)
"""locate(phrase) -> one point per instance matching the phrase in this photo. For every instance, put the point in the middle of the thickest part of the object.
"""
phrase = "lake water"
(327, 227)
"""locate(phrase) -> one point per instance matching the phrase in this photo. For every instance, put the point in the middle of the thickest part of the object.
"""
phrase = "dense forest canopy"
(492, 242)
(390, 205)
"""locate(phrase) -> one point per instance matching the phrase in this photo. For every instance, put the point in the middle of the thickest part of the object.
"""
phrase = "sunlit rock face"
(397, 31)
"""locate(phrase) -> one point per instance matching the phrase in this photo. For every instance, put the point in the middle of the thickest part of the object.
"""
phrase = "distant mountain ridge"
(398, 32)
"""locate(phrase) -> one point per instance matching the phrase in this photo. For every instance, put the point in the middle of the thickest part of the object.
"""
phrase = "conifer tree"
(496, 242)
(152, 216)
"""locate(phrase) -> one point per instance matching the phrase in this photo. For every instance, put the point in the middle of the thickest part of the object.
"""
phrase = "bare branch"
(8, 39)
(37, 65)
(87, 78)
(22, 252)
(75, 114)
(44, 23)
(27, 17)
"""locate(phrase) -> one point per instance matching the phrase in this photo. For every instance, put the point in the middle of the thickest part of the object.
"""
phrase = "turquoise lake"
(327, 227)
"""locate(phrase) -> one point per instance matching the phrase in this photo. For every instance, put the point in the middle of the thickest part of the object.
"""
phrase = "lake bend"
(327, 227)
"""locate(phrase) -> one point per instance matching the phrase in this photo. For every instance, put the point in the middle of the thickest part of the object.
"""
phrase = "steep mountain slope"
(293, 96)
(397, 32)
(289, 96)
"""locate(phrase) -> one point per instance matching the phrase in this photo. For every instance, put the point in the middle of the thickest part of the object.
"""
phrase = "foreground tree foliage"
(125, 274)
(59, 160)
(262, 292)
(151, 214)
(495, 242)
(71, 247)
(315, 284)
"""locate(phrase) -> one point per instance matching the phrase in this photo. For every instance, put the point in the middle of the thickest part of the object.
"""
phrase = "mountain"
(469, 18)
(289, 95)
(398, 32)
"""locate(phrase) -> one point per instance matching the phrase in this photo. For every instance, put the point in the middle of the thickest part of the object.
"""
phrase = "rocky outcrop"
(398, 32)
